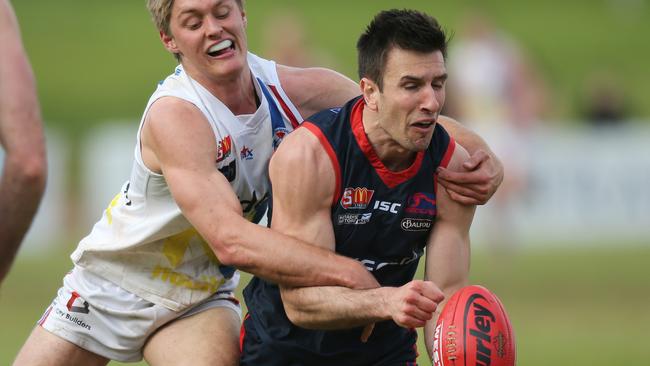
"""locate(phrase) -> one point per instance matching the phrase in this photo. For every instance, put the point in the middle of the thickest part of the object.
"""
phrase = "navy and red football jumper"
(381, 218)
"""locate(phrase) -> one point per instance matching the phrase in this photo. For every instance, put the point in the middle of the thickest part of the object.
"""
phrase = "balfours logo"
(410, 224)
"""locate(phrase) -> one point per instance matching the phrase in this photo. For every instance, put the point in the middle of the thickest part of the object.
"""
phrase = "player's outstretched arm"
(302, 203)
(178, 142)
(21, 136)
(448, 249)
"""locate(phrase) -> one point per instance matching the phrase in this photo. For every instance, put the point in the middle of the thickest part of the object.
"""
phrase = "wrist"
(384, 309)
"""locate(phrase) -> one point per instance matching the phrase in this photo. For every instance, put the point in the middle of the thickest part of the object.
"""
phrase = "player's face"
(412, 97)
(210, 36)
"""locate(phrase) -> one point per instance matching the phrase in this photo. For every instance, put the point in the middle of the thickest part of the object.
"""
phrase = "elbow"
(35, 171)
(227, 245)
(297, 317)
(29, 169)
(293, 315)
(296, 311)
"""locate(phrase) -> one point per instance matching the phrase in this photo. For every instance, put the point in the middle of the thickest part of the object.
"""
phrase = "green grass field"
(568, 307)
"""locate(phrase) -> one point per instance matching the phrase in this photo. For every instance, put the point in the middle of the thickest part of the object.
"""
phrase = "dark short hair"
(407, 29)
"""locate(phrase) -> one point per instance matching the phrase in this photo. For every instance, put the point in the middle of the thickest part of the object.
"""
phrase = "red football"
(473, 329)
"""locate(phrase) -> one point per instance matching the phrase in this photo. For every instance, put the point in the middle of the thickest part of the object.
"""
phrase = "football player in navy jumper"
(361, 181)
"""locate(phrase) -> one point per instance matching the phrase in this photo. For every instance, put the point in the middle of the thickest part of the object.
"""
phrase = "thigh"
(206, 338)
(101, 317)
(46, 349)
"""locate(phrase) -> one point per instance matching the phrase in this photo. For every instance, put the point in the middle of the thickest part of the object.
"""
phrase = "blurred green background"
(571, 303)
(97, 61)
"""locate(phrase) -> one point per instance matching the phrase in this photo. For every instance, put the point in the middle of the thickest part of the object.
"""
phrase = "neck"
(393, 155)
(235, 92)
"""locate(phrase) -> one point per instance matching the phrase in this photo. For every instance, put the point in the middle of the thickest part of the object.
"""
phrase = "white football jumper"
(143, 243)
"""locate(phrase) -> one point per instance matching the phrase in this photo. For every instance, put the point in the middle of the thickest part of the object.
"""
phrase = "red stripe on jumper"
(242, 333)
(330, 151)
(285, 107)
(450, 151)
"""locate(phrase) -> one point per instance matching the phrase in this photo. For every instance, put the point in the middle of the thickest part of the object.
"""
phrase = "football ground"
(586, 306)
(569, 303)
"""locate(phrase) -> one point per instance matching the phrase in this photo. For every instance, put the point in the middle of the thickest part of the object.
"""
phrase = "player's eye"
(411, 86)
(222, 12)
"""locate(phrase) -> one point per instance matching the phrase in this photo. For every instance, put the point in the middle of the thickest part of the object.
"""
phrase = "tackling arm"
(448, 249)
(302, 204)
(184, 153)
(314, 89)
(21, 136)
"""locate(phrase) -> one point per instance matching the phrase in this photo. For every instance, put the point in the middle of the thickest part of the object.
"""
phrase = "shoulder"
(168, 109)
(301, 167)
(458, 157)
(171, 121)
(451, 152)
(303, 154)
(301, 148)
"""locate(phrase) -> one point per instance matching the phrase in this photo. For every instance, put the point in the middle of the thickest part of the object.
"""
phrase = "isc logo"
(387, 206)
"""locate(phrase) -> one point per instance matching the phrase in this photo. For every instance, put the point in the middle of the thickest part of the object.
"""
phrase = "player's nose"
(429, 101)
(213, 27)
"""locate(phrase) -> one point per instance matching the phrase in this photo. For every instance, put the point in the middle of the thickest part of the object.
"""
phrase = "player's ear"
(169, 42)
(244, 18)
(370, 92)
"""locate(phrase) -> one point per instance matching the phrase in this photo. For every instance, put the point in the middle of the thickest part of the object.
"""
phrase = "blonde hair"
(161, 13)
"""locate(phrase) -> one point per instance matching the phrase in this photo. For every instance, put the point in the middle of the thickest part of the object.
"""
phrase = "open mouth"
(422, 124)
(221, 48)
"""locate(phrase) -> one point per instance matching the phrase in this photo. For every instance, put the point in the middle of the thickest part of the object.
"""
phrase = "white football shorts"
(103, 318)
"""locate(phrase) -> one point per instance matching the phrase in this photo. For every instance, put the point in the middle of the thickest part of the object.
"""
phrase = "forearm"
(20, 195)
(21, 136)
(285, 260)
(334, 307)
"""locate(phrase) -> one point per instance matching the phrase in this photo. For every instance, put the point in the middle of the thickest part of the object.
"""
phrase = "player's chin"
(420, 141)
(421, 144)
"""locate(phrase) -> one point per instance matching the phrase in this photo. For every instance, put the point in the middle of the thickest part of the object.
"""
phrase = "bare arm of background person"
(178, 142)
(302, 209)
(21, 135)
(315, 89)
